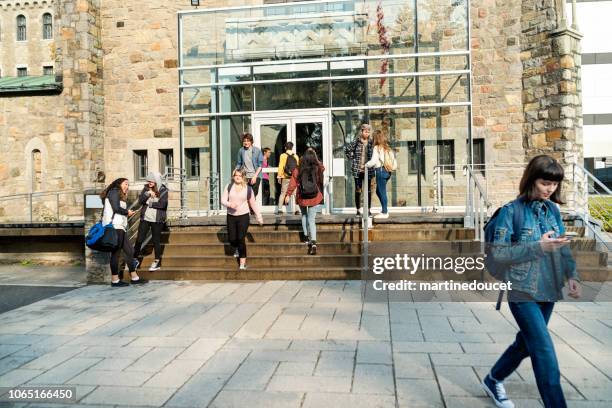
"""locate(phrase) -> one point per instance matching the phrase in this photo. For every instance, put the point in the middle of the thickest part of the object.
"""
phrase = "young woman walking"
(238, 196)
(540, 262)
(115, 211)
(307, 179)
(154, 201)
(383, 161)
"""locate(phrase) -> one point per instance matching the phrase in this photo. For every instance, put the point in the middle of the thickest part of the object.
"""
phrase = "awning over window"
(43, 83)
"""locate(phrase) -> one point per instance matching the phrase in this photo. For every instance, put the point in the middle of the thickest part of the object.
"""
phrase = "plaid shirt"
(353, 152)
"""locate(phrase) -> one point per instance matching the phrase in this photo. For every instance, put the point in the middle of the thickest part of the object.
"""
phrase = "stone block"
(162, 133)
(553, 134)
(170, 63)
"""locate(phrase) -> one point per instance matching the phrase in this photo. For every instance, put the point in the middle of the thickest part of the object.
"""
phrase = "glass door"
(305, 130)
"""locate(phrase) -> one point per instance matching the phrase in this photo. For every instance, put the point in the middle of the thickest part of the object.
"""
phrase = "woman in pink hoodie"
(239, 199)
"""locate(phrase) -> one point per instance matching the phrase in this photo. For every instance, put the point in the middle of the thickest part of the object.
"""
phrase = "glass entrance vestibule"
(312, 73)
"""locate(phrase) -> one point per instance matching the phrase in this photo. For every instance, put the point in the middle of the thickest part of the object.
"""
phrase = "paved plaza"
(286, 344)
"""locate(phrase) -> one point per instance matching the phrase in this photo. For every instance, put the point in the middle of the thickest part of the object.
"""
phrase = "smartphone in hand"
(569, 235)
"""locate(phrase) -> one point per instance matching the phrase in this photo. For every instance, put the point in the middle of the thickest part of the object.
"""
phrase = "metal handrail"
(477, 204)
(586, 207)
(32, 195)
(365, 219)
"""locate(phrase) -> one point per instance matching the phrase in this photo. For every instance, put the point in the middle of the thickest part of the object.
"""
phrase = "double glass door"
(304, 130)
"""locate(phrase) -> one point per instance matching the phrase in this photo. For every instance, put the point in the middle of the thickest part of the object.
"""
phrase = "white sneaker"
(236, 253)
(242, 267)
(381, 215)
(154, 266)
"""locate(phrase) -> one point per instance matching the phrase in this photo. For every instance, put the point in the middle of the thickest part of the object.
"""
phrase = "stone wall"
(551, 59)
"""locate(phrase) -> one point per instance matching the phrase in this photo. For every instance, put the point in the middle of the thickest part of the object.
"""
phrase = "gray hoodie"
(154, 208)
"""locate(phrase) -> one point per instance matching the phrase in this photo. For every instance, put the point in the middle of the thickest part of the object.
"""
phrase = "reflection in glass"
(293, 95)
(235, 98)
(196, 100)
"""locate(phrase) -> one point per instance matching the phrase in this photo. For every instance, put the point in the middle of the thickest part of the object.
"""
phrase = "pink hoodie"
(238, 198)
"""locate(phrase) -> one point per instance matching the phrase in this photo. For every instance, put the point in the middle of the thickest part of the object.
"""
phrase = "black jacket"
(113, 197)
(161, 205)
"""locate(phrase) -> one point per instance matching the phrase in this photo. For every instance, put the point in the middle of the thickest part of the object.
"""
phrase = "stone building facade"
(118, 64)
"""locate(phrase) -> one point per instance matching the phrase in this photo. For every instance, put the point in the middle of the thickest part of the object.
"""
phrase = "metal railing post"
(365, 218)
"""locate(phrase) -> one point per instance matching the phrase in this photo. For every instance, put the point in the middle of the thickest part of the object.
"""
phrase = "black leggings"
(128, 252)
(143, 230)
(237, 227)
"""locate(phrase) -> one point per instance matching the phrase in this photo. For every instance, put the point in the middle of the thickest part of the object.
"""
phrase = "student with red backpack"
(527, 246)
(239, 198)
(307, 180)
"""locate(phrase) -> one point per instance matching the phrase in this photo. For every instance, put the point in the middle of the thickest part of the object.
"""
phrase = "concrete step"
(255, 234)
(591, 259)
(267, 261)
(595, 274)
(220, 249)
(253, 273)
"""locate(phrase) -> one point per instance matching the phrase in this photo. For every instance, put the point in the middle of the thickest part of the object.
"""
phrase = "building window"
(21, 28)
(446, 154)
(479, 155)
(141, 165)
(36, 170)
(47, 70)
(22, 72)
(413, 157)
(166, 161)
(47, 26)
(192, 163)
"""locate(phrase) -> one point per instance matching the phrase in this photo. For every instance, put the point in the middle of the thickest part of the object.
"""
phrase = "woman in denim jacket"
(540, 263)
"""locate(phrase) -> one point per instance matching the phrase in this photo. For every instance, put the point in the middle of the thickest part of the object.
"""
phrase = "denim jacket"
(257, 157)
(539, 274)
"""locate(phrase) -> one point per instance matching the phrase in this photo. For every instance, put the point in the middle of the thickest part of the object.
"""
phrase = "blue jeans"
(309, 226)
(382, 176)
(533, 340)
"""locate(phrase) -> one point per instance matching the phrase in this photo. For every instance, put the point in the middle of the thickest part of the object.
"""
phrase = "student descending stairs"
(198, 249)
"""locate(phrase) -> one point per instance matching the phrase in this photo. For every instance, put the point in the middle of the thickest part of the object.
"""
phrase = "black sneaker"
(236, 253)
(139, 281)
(135, 263)
(497, 392)
(313, 248)
(119, 284)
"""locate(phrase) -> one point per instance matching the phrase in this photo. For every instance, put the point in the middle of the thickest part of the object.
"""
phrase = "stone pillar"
(552, 104)
(81, 48)
(96, 263)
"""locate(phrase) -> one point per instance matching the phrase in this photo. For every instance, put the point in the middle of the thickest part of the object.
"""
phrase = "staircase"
(197, 249)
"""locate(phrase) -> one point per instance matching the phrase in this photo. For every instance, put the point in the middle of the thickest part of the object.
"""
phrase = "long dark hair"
(309, 163)
(541, 167)
(115, 184)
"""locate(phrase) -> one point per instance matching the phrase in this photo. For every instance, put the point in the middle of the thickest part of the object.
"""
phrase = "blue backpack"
(499, 269)
(102, 237)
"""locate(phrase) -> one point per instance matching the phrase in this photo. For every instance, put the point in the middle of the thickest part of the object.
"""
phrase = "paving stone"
(18, 377)
(413, 366)
(65, 371)
(459, 382)
(8, 349)
(252, 375)
(175, 374)
(199, 391)
(129, 396)
(202, 349)
(257, 399)
(155, 359)
(299, 383)
(113, 364)
(224, 362)
(303, 356)
(118, 378)
(418, 393)
(426, 347)
(50, 360)
(12, 362)
(374, 352)
(320, 399)
(373, 379)
(115, 352)
(336, 345)
(116, 341)
(293, 368)
(476, 359)
(335, 364)
(257, 344)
